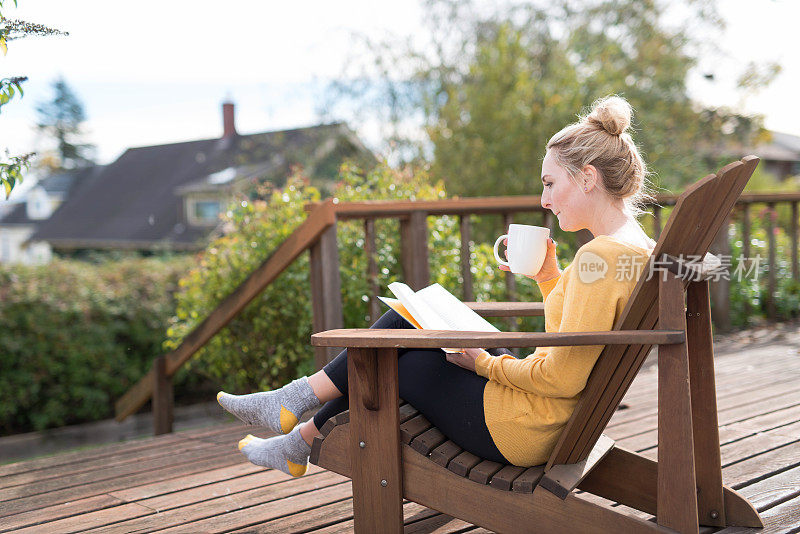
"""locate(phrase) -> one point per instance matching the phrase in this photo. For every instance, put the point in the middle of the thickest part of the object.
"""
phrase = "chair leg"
(708, 464)
(375, 456)
(677, 489)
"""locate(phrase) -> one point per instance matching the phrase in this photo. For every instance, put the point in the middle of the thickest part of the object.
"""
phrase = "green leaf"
(9, 185)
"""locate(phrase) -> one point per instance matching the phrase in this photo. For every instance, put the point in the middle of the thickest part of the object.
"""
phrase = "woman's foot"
(288, 453)
(279, 410)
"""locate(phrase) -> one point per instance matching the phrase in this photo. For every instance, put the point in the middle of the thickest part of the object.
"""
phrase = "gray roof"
(58, 184)
(223, 179)
(18, 214)
(62, 182)
(135, 202)
(787, 141)
(778, 147)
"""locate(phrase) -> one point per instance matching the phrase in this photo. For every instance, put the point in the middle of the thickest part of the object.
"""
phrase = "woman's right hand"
(549, 268)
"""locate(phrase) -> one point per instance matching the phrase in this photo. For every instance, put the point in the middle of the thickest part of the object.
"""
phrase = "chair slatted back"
(698, 216)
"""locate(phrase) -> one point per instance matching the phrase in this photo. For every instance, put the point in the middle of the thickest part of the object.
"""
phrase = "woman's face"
(568, 202)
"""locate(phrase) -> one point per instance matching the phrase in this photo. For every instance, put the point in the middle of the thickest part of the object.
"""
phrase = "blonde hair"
(600, 139)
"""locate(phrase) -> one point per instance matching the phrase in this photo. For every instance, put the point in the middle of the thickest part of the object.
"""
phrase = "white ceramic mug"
(526, 248)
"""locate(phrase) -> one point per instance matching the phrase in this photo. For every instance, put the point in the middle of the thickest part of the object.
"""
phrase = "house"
(781, 155)
(169, 197)
(21, 219)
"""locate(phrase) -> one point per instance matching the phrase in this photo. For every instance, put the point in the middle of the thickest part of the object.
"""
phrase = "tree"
(492, 88)
(11, 167)
(61, 119)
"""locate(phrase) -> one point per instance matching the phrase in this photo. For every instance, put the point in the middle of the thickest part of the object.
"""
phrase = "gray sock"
(288, 453)
(279, 410)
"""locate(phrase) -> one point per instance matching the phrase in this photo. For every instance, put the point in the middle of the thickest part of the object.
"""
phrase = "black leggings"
(449, 396)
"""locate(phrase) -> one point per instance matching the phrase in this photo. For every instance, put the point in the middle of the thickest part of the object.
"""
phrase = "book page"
(456, 314)
(397, 306)
(419, 308)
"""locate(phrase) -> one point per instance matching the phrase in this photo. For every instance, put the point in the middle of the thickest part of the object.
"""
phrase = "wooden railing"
(318, 235)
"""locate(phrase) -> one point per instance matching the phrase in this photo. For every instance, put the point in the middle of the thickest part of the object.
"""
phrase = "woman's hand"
(465, 360)
(549, 268)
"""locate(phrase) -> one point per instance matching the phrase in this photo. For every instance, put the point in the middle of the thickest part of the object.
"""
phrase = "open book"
(435, 308)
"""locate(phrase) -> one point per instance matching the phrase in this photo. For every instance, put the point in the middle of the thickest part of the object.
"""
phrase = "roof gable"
(137, 199)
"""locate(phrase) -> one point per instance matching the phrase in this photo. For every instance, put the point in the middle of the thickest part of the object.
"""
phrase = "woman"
(490, 403)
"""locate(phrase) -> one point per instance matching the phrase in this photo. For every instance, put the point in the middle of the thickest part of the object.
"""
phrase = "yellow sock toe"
(297, 470)
(219, 396)
(288, 420)
(244, 441)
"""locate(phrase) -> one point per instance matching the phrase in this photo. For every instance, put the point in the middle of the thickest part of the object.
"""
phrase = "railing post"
(773, 264)
(372, 269)
(414, 250)
(720, 288)
(326, 291)
(549, 222)
(466, 272)
(163, 400)
(793, 237)
(656, 222)
(745, 256)
(583, 236)
(511, 281)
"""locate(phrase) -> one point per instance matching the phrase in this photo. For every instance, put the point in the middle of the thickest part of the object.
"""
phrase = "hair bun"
(611, 113)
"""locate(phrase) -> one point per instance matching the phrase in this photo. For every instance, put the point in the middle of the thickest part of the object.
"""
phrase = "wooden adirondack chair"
(390, 452)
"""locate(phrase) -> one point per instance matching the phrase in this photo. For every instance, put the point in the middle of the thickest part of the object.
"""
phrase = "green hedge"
(75, 336)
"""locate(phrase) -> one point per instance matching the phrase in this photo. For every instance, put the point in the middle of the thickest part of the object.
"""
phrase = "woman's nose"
(545, 199)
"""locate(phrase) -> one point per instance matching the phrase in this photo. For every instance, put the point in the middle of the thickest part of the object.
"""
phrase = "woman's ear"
(590, 177)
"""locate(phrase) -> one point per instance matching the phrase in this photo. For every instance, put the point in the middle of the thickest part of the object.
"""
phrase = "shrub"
(75, 336)
(749, 291)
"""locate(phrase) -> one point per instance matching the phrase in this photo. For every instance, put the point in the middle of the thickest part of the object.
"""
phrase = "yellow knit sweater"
(528, 401)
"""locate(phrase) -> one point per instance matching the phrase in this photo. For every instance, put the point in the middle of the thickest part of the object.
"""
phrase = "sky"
(152, 72)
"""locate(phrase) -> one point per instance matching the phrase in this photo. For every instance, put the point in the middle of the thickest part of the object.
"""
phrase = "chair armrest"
(507, 309)
(402, 338)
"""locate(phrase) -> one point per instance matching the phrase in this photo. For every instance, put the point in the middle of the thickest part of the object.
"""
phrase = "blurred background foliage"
(76, 336)
(499, 83)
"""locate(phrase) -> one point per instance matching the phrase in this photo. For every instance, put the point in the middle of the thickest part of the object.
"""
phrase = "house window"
(206, 211)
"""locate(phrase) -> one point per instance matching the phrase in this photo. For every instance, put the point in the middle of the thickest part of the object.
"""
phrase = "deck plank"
(256, 514)
(781, 519)
(773, 490)
(90, 467)
(111, 472)
(87, 490)
(125, 495)
(218, 509)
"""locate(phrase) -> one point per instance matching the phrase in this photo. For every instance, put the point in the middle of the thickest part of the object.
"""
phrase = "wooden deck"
(197, 481)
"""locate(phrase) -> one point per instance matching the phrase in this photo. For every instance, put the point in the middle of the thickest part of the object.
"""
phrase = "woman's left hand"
(465, 360)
